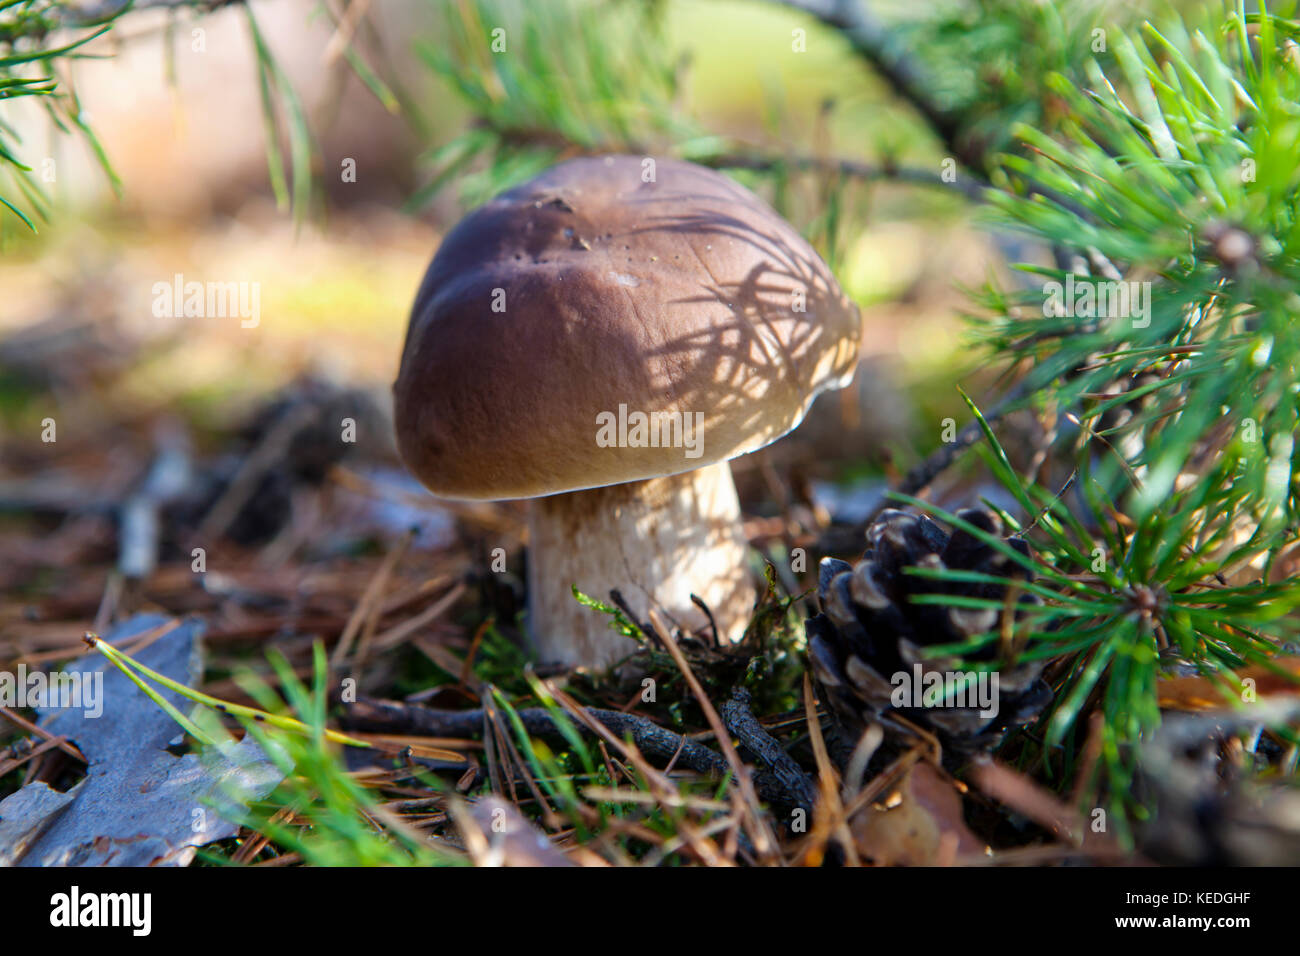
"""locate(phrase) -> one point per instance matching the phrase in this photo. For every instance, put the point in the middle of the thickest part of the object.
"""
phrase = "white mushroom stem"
(656, 541)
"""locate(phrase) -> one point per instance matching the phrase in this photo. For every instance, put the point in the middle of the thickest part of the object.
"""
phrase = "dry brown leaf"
(919, 822)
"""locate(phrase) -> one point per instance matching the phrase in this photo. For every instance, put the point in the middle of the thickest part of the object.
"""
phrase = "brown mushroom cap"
(587, 289)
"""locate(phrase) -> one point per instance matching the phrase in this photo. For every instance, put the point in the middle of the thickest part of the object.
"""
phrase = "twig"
(94, 14)
(658, 783)
(61, 742)
(506, 747)
(764, 841)
(365, 613)
(398, 633)
(872, 41)
(831, 818)
(347, 21)
(388, 716)
(854, 169)
(745, 727)
(22, 752)
(921, 475)
(1020, 793)
(713, 625)
(762, 162)
(616, 598)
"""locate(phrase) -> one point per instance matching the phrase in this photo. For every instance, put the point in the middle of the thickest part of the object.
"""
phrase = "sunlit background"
(184, 133)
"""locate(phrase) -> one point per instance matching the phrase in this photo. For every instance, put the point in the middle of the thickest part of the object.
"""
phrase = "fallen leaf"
(918, 822)
(139, 804)
(25, 815)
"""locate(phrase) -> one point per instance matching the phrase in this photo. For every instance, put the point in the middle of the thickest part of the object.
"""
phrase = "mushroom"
(604, 339)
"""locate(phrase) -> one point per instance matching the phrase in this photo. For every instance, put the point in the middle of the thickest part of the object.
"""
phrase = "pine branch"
(755, 160)
(848, 168)
(102, 11)
(875, 43)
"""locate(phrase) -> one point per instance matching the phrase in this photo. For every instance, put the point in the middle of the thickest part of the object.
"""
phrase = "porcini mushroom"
(604, 339)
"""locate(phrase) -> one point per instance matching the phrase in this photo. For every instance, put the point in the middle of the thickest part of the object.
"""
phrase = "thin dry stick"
(8, 766)
(136, 643)
(673, 844)
(1045, 855)
(849, 168)
(1091, 754)
(370, 602)
(347, 21)
(921, 475)
(1088, 431)
(467, 671)
(399, 633)
(490, 747)
(829, 808)
(863, 751)
(617, 795)
(1023, 795)
(764, 841)
(659, 784)
(259, 841)
(872, 40)
(133, 644)
(551, 818)
(31, 728)
(95, 12)
(398, 717)
(374, 611)
(612, 767)
(109, 602)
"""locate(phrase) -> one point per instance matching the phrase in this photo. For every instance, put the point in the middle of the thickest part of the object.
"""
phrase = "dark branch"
(919, 477)
(872, 40)
(99, 12)
(849, 168)
(754, 737)
(395, 717)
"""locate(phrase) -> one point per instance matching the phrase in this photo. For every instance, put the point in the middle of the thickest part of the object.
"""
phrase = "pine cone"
(867, 646)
